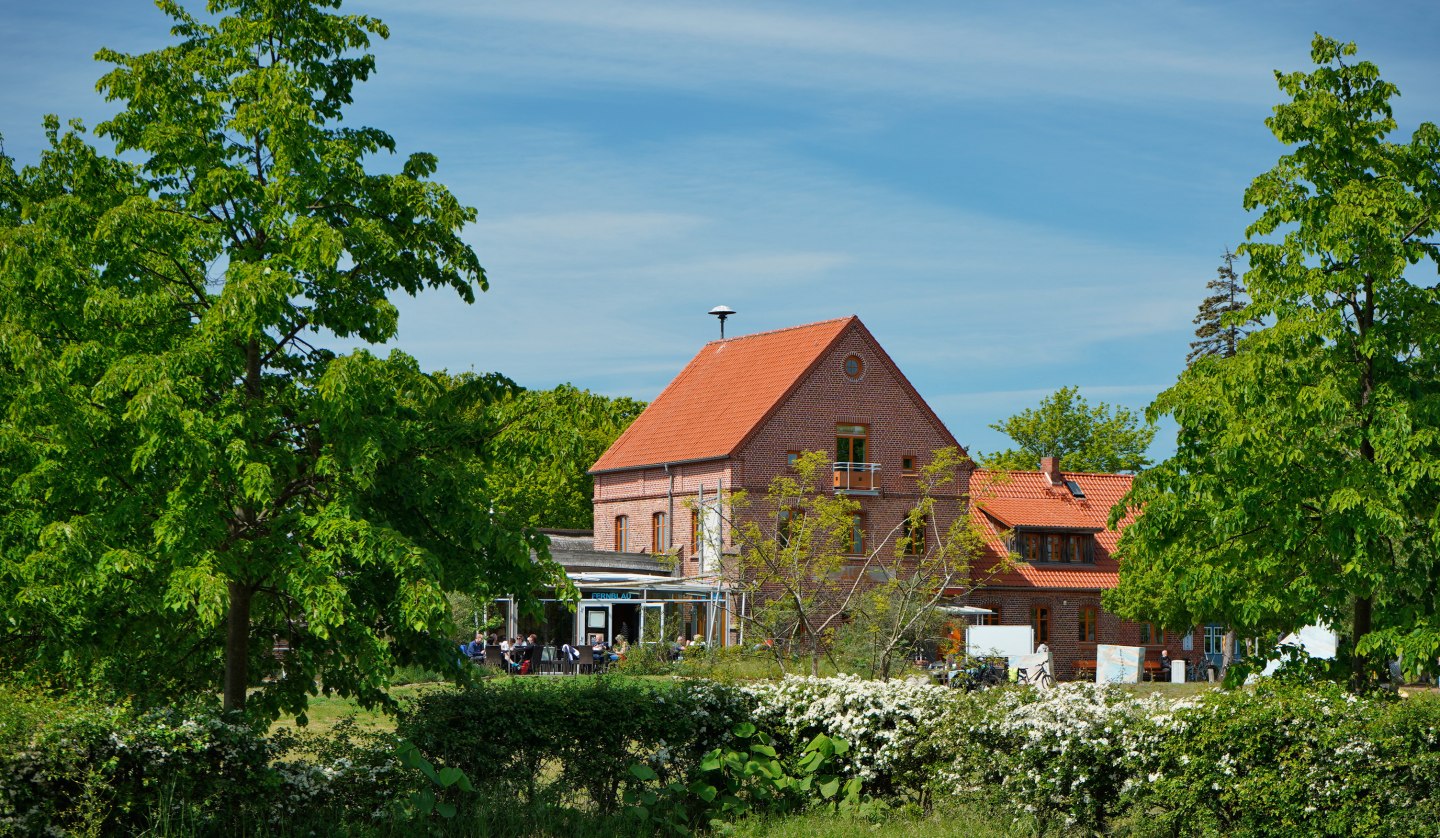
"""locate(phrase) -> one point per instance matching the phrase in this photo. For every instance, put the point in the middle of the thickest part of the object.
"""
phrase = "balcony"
(857, 478)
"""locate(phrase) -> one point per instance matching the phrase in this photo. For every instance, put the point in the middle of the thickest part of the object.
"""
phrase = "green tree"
(1221, 321)
(1099, 438)
(546, 441)
(1303, 486)
(930, 557)
(187, 476)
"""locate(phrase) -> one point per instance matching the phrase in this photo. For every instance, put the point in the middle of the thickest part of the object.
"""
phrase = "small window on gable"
(907, 464)
(854, 367)
(790, 458)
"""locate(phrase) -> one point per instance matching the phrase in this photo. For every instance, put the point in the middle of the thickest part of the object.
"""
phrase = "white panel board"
(710, 538)
(1118, 664)
(999, 641)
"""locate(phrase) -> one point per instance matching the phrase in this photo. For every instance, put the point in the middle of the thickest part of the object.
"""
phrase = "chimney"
(1050, 467)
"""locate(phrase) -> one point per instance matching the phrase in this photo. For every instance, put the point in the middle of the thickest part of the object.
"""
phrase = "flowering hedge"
(1276, 759)
(890, 726)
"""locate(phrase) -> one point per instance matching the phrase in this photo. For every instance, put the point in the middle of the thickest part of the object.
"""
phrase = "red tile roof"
(1004, 500)
(724, 393)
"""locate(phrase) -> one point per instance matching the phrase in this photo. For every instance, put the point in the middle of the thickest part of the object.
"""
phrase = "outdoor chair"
(493, 657)
(587, 660)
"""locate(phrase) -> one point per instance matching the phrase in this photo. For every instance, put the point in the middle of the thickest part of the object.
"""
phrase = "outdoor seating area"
(528, 657)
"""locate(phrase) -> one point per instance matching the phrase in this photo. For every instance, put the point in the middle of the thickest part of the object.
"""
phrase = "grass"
(943, 823)
(324, 712)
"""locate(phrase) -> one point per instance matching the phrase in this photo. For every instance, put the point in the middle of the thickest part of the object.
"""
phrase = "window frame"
(1040, 622)
(910, 470)
(1151, 634)
(659, 532)
(622, 533)
(863, 436)
(855, 544)
(993, 618)
(914, 538)
(1088, 624)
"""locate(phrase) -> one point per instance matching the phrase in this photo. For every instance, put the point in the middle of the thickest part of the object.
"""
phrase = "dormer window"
(1039, 547)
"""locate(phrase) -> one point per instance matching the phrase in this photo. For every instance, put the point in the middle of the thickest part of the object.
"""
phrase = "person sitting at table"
(677, 649)
(621, 647)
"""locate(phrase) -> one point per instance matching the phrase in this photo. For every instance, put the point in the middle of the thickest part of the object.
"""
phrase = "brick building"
(742, 408)
(1054, 523)
(734, 418)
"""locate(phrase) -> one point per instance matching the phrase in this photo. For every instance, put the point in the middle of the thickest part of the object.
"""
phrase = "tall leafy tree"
(1303, 487)
(1221, 322)
(188, 475)
(544, 444)
(1099, 438)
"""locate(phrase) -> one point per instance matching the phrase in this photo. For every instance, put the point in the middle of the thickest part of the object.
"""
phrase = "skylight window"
(1074, 488)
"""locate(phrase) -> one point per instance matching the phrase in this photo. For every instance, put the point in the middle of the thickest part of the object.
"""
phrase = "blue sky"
(1013, 197)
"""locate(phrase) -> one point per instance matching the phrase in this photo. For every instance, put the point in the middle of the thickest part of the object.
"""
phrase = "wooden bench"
(1084, 669)
(1153, 670)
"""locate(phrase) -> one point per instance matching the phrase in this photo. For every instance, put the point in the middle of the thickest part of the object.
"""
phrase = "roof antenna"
(722, 312)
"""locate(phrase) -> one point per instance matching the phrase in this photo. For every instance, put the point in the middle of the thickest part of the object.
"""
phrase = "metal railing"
(857, 477)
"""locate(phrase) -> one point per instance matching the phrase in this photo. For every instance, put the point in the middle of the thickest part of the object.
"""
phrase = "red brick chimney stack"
(1050, 467)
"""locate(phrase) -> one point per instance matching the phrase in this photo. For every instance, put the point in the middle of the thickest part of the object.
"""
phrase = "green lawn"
(325, 711)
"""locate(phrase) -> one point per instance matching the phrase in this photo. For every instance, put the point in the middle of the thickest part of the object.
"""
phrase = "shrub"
(1292, 759)
(1058, 757)
(570, 739)
(891, 726)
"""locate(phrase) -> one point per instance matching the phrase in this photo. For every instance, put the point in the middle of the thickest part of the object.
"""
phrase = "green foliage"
(742, 780)
(1296, 759)
(430, 800)
(539, 458)
(807, 585)
(1085, 438)
(791, 551)
(187, 477)
(1303, 485)
(571, 739)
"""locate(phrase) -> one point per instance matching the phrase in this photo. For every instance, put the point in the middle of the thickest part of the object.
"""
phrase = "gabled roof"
(1005, 500)
(726, 391)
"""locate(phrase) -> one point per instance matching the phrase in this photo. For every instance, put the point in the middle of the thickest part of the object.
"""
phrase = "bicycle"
(1038, 676)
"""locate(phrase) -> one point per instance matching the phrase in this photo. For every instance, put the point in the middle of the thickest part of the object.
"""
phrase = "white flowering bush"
(891, 726)
(1294, 759)
(1061, 757)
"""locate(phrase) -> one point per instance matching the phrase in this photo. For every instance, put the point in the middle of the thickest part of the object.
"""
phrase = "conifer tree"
(1218, 327)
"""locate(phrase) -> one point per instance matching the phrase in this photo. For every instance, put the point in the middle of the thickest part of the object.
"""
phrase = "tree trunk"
(1358, 670)
(237, 646)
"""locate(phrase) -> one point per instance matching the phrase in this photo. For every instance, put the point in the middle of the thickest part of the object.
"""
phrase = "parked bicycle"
(1037, 676)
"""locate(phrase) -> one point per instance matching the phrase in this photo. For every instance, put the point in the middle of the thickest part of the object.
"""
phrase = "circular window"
(854, 367)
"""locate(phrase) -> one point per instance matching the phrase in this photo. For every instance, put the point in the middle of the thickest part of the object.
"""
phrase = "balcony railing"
(857, 477)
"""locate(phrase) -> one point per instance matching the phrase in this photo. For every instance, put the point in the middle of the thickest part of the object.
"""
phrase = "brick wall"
(1016, 608)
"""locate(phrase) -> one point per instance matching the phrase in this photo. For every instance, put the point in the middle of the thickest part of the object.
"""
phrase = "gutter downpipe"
(670, 518)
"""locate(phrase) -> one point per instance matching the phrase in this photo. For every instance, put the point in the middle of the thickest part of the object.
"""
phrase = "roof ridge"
(783, 329)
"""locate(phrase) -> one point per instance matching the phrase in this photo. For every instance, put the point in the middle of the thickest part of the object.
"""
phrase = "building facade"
(743, 408)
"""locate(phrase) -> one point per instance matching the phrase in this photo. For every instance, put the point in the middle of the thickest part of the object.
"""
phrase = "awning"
(645, 582)
(963, 610)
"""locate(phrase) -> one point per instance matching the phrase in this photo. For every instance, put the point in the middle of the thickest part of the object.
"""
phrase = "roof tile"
(1004, 500)
(725, 391)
